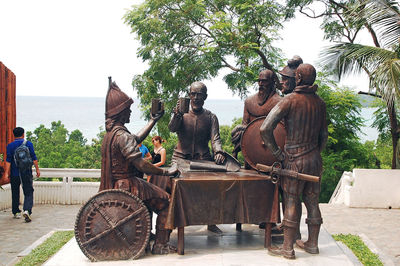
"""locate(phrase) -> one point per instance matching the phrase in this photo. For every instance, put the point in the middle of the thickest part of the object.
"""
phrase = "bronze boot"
(161, 245)
(289, 233)
(279, 251)
(311, 245)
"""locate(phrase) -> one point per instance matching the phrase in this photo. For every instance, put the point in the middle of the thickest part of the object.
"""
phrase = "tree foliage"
(55, 147)
(342, 22)
(343, 151)
(184, 41)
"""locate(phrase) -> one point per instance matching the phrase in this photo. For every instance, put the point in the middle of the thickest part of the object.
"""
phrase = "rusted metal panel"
(3, 113)
(7, 110)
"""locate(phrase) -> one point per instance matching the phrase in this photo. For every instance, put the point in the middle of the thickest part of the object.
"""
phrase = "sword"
(276, 170)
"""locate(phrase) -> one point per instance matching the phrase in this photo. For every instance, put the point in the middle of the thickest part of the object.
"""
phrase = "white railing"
(58, 192)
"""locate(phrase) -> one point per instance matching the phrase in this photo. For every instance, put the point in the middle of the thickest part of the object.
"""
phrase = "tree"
(185, 41)
(344, 20)
(343, 151)
(55, 147)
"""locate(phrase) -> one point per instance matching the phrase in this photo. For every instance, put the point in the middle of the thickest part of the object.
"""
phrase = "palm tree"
(381, 62)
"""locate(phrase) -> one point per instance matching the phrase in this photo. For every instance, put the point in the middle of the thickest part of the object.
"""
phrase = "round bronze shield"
(113, 225)
(253, 149)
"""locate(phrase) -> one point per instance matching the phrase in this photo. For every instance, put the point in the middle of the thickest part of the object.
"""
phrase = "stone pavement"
(380, 228)
(377, 227)
(16, 235)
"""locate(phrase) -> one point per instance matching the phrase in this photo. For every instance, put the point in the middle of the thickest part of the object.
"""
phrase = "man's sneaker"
(17, 215)
(27, 216)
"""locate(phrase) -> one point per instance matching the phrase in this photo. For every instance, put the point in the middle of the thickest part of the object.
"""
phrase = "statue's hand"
(173, 171)
(219, 158)
(157, 116)
(177, 108)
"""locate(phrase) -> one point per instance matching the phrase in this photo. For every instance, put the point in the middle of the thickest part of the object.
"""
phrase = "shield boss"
(113, 225)
(253, 149)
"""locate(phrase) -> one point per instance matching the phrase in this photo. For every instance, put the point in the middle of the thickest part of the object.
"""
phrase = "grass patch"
(362, 252)
(47, 249)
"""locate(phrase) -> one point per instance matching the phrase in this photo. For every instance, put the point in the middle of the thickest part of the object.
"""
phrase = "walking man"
(20, 157)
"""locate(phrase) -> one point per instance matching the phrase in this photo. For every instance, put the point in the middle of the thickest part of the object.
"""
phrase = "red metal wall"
(8, 112)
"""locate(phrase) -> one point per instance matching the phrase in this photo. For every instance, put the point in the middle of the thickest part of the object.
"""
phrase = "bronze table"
(203, 198)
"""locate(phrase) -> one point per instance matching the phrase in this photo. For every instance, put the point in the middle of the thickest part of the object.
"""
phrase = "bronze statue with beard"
(257, 105)
(195, 130)
(304, 115)
(122, 166)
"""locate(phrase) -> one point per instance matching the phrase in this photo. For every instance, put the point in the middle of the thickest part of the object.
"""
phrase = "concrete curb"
(382, 256)
(348, 253)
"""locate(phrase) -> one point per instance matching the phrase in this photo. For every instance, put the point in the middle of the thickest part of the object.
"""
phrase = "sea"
(87, 114)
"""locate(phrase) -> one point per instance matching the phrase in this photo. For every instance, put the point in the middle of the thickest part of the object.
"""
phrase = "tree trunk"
(394, 130)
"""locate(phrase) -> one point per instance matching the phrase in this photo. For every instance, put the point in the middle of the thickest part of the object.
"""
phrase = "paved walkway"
(379, 227)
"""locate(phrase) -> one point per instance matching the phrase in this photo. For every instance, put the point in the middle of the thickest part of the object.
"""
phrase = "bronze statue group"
(301, 111)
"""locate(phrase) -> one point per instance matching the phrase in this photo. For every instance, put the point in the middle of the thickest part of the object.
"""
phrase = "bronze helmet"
(290, 69)
(116, 100)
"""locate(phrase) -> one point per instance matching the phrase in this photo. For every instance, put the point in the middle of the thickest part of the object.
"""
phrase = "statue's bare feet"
(279, 251)
(163, 249)
(213, 228)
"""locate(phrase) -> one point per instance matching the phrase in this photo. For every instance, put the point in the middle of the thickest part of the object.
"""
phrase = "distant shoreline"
(87, 113)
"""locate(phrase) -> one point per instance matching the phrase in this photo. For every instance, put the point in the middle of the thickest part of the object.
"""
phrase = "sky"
(69, 48)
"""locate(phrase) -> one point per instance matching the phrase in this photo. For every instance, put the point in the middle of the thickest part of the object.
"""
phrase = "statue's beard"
(263, 95)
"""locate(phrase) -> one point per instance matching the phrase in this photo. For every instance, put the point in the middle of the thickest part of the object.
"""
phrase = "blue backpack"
(22, 157)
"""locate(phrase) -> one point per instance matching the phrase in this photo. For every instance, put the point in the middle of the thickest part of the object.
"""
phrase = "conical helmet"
(116, 100)
(290, 69)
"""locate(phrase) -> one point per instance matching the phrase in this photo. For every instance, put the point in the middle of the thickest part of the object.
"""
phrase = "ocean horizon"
(87, 114)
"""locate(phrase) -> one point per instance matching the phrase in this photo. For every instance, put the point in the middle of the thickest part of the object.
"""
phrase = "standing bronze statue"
(195, 129)
(123, 167)
(288, 83)
(304, 115)
(257, 105)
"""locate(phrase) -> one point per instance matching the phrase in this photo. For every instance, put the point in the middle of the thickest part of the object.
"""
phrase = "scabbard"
(287, 173)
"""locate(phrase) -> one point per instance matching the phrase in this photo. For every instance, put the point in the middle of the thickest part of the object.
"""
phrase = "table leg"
(267, 240)
(181, 241)
(239, 227)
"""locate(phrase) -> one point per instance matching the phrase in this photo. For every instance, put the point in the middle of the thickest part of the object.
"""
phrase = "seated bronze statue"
(123, 167)
(195, 129)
